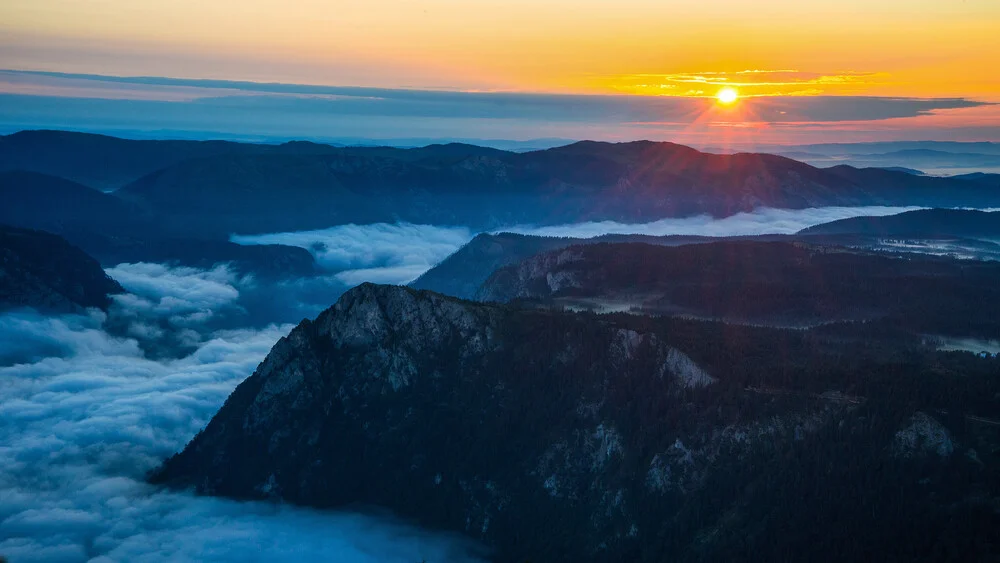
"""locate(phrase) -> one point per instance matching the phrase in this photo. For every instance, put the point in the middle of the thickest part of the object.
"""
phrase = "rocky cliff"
(573, 437)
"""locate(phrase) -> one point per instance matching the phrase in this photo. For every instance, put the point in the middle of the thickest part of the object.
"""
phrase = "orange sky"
(922, 48)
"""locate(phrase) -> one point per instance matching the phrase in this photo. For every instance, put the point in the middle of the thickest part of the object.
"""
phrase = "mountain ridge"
(644, 438)
(220, 189)
(43, 271)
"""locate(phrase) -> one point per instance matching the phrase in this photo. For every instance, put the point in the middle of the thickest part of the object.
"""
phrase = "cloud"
(80, 431)
(170, 309)
(380, 252)
(282, 111)
(758, 222)
(750, 82)
(166, 290)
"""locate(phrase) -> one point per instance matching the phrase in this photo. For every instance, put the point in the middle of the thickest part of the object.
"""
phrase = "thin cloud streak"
(758, 222)
(255, 110)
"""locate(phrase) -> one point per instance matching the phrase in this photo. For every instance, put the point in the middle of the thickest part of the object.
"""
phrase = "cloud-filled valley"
(380, 253)
(761, 221)
(91, 402)
(82, 426)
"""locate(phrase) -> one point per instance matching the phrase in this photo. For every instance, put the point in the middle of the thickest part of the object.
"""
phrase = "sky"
(822, 49)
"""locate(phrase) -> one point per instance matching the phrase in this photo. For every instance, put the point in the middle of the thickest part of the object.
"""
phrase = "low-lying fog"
(90, 403)
(86, 415)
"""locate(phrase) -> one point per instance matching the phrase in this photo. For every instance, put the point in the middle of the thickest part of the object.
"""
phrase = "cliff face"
(43, 271)
(549, 436)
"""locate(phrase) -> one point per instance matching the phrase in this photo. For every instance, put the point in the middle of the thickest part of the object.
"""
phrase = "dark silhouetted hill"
(771, 283)
(924, 223)
(43, 271)
(644, 439)
(114, 230)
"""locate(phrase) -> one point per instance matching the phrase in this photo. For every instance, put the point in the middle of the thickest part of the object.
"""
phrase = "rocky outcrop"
(923, 436)
(43, 271)
(548, 436)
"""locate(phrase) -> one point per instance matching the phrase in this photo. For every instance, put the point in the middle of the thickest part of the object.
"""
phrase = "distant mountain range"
(933, 157)
(213, 189)
(180, 201)
(114, 230)
(924, 223)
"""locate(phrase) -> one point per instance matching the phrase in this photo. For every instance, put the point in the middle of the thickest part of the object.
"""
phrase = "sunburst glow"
(727, 95)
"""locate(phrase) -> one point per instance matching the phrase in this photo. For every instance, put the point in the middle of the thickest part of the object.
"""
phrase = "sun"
(727, 95)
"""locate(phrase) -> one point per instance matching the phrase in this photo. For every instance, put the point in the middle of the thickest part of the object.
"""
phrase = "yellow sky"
(925, 48)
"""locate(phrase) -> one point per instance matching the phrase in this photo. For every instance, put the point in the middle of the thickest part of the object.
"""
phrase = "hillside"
(113, 230)
(924, 223)
(461, 274)
(99, 161)
(645, 439)
(628, 182)
(43, 271)
(216, 188)
(772, 283)
(107, 163)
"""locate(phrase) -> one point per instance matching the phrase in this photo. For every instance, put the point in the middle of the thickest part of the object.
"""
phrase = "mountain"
(934, 157)
(100, 161)
(924, 223)
(461, 273)
(899, 188)
(772, 283)
(881, 147)
(867, 148)
(43, 271)
(487, 188)
(114, 230)
(584, 181)
(107, 163)
(54, 204)
(903, 169)
(213, 189)
(646, 439)
(991, 180)
(939, 162)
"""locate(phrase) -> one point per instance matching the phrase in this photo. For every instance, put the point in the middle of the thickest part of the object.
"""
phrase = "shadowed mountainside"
(628, 182)
(43, 271)
(114, 230)
(770, 283)
(646, 439)
(461, 274)
(214, 189)
(923, 223)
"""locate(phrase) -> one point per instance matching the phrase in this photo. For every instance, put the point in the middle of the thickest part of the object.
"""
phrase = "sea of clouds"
(84, 415)
(89, 403)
